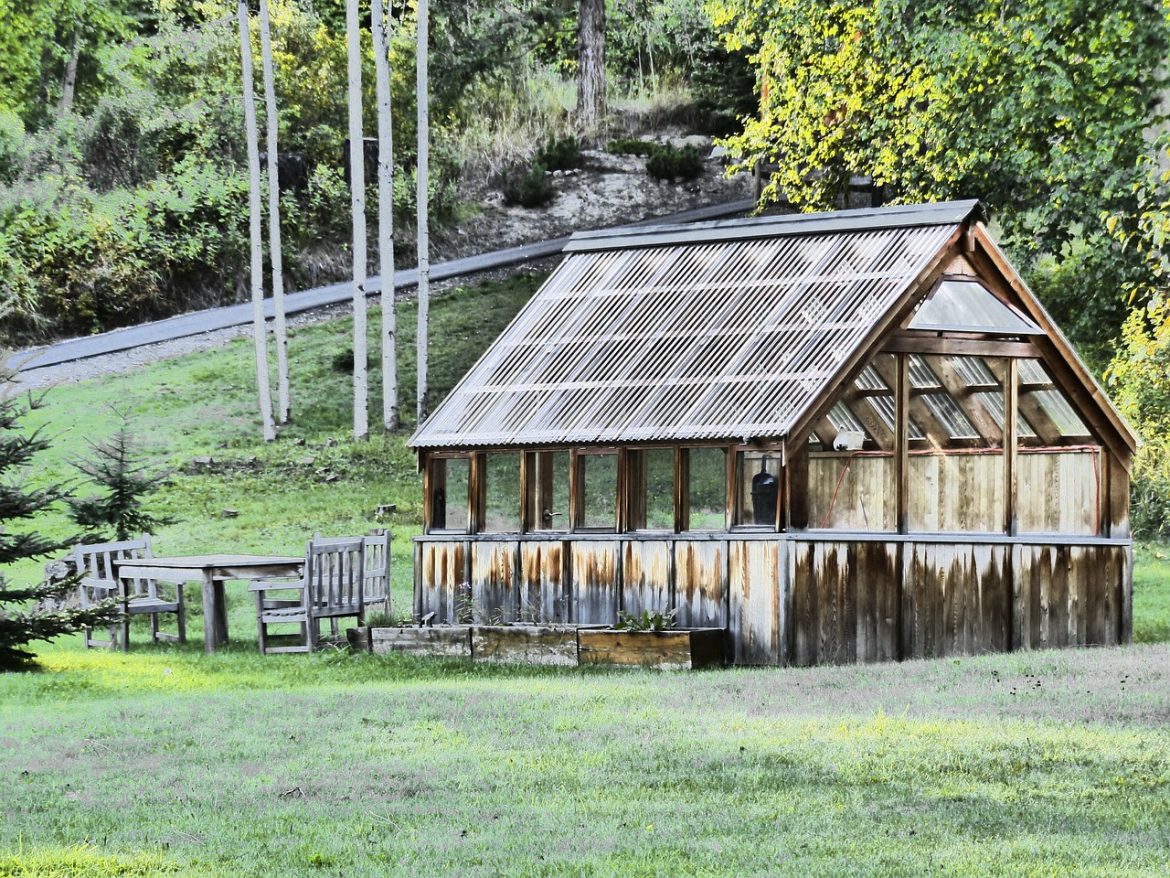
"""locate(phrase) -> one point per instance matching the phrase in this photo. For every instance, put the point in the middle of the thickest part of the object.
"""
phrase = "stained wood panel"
(595, 584)
(443, 585)
(955, 599)
(1070, 595)
(844, 602)
(543, 587)
(495, 581)
(855, 493)
(1058, 492)
(756, 581)
(956, 492)
(700, 586)
(646, 577)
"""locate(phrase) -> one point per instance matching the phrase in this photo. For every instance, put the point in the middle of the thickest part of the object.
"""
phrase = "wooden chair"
(142, 597)
(331, 589)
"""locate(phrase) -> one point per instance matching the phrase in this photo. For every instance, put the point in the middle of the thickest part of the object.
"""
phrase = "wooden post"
(576, 491)
(682, 490)
(1011, 398)
(259, 333)
(275, 253)
(526, 482)
(378, 25)
(902, 442)
(357, 203)
(731, 476)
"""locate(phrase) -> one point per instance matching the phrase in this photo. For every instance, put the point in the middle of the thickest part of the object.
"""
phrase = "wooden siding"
(1058, 492)
(646, 577)
(844, 602)
(788, 600)
(594, 588)
(852, 493)
(953, 493)
(699, 585)
(495, 582)
(444, 575)
(756, 582)
(955, 599)
(1070, 595)
(543, 585)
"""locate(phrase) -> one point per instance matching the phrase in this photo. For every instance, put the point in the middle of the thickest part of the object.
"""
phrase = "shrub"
(668, 163)
(527, 187)
(560, 154)
(631, 146)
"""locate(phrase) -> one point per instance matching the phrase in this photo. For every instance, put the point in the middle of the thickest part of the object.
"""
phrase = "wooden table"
(214, 571)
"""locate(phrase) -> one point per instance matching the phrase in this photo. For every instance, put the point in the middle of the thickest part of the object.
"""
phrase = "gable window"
(448, 485)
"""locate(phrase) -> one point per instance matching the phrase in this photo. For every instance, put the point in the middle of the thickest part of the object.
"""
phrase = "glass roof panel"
(968, 306)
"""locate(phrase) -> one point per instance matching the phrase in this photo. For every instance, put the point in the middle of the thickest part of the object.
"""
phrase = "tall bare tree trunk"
(357, 201)
(591, 61)
(423, 174)
(378, 24)
(259, 336)
(69, 81)
(274, 249)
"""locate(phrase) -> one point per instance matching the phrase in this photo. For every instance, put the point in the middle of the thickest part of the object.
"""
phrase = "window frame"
(433, 460)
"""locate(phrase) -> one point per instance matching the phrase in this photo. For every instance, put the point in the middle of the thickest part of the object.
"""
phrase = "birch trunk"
(69, 82)
(357, 186)
(378, 25)
(423, 174)
(259, 336)
(275, 252)
(591, 61)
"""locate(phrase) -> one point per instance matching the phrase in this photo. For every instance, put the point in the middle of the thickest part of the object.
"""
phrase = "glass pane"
(502, 497)
(968, 306)
(757, 483)
(599, 489)
(449, 493)
(659, 489)
(548, 490)
(707, 491)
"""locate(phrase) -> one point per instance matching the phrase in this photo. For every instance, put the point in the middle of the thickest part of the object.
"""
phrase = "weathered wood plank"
(525, 644)
(447, 641)
(495, 586)
(665, 650)
(543, 596)
(595, 585)
(755, 589)
(700, 588)
(646, 577)
(443, 588)
(955, 600)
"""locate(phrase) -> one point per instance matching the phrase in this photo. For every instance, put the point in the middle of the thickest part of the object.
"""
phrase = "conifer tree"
(22, 619)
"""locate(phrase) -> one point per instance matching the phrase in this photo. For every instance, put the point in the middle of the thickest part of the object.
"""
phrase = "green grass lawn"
(166, 761)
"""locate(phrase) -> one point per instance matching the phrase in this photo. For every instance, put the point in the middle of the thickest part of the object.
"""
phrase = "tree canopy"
(1040, 108)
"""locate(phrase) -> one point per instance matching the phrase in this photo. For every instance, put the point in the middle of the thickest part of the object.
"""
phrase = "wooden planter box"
(449, 641)
(680, 650)
(525, 644)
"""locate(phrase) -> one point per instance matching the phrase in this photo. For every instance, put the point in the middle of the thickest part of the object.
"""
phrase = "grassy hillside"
(272, 497)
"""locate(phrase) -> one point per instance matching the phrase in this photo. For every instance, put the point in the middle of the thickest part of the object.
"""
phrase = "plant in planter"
(646, 622)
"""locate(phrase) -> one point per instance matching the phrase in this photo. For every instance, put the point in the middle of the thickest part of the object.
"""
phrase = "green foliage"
(647, 621)
(528, 186)
(1039, 108)
(560, 154)
(116, 467)
(667, 162)
(1139, 375)
(21, 621)
(630, 146)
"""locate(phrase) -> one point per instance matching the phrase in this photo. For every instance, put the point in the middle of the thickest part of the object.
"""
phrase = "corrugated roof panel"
(718, 339)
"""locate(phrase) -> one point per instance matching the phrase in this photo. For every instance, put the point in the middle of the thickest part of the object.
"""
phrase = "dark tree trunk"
(591, 58)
